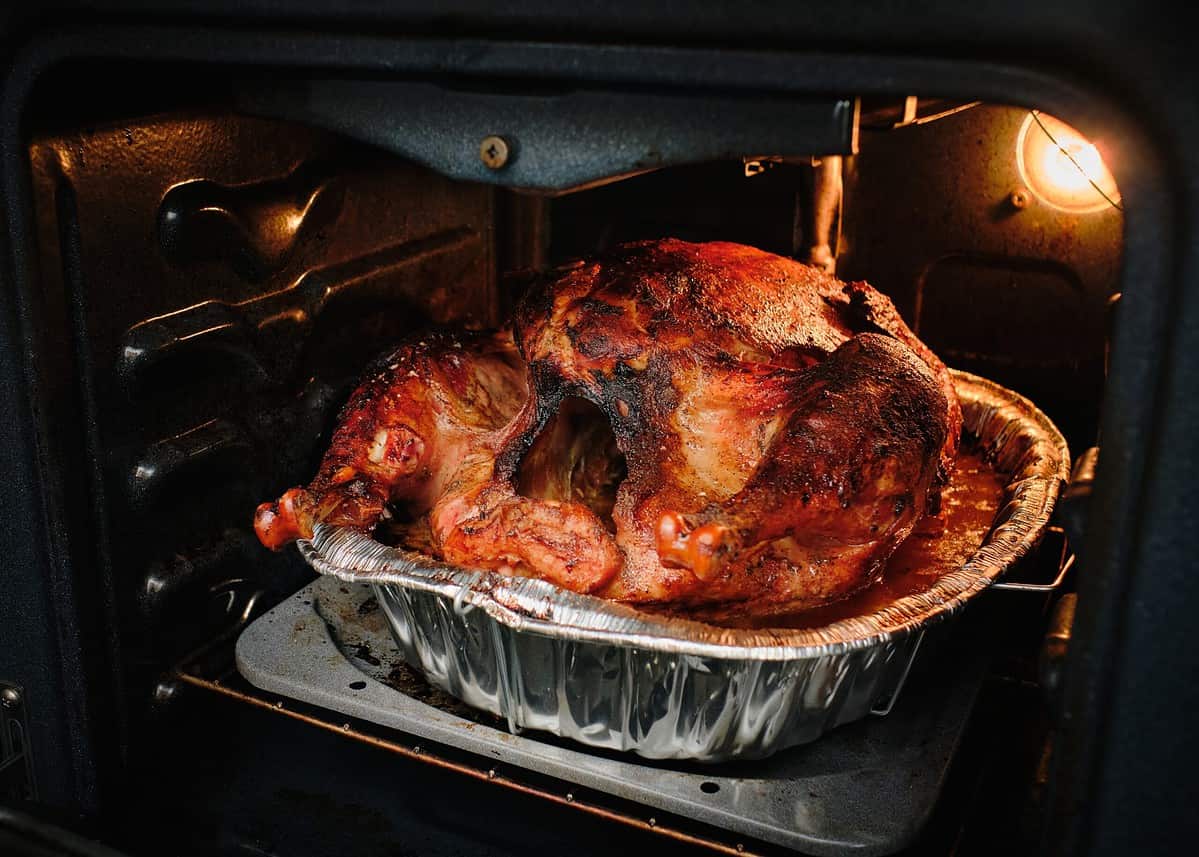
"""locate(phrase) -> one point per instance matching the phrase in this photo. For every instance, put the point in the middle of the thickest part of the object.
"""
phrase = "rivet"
(491, 774)
(494, 152)
(1018, 199)
(10, 697)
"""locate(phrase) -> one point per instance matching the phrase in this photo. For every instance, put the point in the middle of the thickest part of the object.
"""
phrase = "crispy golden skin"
(781, 432)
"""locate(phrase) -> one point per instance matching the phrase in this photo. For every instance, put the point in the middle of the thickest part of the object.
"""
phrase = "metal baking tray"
(866, 789)
(610, 676)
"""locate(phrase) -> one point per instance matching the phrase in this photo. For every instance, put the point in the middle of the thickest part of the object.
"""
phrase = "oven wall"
(213, 285)
(1128, 740)
(994, 280)
(220, 281)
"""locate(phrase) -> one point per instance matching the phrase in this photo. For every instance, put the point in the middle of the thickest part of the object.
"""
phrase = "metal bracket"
(1039, 587)
(555, 141)
(16, 764)
(884, 710)
(1065, 563)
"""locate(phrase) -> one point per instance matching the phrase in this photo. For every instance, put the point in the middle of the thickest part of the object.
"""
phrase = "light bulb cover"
(1062, 168)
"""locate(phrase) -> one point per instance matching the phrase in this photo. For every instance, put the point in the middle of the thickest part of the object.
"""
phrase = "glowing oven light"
(1062, 168)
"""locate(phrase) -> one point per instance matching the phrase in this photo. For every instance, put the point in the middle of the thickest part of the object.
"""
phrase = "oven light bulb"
(1062, 168)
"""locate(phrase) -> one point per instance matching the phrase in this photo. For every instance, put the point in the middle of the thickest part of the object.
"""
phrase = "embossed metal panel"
(225, 279)
(996, 281)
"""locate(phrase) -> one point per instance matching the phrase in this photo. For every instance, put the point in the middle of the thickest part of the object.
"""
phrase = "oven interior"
(217, 257)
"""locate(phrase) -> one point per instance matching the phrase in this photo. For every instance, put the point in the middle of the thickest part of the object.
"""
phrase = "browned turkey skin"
(781, 433)
(421, 433)
(423, 412)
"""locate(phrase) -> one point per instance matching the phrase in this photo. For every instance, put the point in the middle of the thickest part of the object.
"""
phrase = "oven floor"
(866, 788)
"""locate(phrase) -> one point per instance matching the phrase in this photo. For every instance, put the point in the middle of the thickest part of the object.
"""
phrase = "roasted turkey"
(673, 423)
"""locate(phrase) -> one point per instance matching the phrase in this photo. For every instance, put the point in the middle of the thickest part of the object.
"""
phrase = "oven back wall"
(995, 280)
(220, 282)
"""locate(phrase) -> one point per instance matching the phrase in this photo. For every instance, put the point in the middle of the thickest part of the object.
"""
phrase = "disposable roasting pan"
(609, 676)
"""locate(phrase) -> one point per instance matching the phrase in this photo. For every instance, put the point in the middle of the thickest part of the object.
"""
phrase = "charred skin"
(851, 470)
(700, 355)
(419, 412)
(771, 418)
(875, 312)
(421, 433)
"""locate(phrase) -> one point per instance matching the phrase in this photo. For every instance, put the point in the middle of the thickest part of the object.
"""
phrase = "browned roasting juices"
(672, 423)
(968, 506)
(936, 547)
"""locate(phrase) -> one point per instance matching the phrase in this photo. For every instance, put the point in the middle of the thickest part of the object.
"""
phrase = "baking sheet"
(865, 789)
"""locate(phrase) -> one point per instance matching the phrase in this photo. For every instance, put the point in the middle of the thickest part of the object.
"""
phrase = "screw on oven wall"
(494, 152)
(1018, 199)
(10, 697)
(165, 691)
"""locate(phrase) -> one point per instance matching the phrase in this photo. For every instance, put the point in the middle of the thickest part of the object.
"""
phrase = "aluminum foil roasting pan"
(610, 676)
